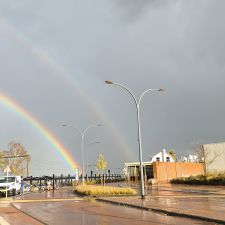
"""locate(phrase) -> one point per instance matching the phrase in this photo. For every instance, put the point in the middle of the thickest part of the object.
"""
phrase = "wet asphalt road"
(80, 211)
(90, 212)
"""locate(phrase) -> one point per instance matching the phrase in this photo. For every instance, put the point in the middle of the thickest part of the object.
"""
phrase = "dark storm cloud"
(178, 45)
(132, 10)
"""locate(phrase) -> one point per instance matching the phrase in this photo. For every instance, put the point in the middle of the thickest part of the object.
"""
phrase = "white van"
(12, 183)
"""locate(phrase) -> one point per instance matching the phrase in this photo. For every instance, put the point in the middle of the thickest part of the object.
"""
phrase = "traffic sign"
(7, 169)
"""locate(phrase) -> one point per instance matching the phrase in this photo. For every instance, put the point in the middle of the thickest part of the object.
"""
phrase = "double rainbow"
(15, 36)
(41, 128)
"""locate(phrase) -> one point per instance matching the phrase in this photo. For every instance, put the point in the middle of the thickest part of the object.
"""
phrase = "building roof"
(138, 164)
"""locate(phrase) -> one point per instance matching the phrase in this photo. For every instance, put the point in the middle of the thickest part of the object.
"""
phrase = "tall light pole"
(137, 104)
(82, 134)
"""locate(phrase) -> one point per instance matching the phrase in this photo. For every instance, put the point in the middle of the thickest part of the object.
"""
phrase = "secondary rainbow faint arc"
(41, 128)
(60, 72)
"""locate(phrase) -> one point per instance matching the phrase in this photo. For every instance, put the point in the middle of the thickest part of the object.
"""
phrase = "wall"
(215, 157)
(165, 171)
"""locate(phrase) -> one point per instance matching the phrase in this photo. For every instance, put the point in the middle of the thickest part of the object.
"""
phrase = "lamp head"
(108, 82)
(66, 125)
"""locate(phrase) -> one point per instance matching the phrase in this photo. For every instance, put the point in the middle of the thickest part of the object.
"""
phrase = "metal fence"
(61, 181)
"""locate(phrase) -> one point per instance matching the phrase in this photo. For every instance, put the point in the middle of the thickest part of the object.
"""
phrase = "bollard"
(68, 179)
(109, 174)
(61, 180)
(53, 182)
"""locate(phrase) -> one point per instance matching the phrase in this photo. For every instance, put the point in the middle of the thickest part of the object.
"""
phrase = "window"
(168, 159)
(7, 179)
(157, 159)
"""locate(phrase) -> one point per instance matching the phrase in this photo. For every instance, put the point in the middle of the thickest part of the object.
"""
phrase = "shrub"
(210, 179)
(90, 182)
(92, 190)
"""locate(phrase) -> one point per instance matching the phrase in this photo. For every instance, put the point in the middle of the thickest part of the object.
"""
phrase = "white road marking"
(3, 221)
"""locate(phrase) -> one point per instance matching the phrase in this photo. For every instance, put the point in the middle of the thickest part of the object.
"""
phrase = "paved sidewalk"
(11, 216)
(205, 203)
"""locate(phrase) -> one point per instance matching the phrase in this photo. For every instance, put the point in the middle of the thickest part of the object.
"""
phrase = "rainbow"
(36, 53)
(11, 104)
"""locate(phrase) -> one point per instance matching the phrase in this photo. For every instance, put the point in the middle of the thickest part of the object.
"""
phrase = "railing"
(60, 181)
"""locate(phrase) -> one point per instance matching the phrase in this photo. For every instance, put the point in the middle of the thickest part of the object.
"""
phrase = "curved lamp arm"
(145, 92)
(65, 125)
(125, 88)
(95, 125)
(137, 102)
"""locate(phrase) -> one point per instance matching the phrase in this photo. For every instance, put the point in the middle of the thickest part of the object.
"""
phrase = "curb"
(27, 214)
(167, 212)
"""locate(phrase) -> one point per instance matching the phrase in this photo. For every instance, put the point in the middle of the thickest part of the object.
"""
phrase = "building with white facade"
(214, 157)
(162, 156)
(190, 158)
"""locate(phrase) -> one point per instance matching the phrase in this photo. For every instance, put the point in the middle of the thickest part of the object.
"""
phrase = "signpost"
(7, 171)
(76, 176)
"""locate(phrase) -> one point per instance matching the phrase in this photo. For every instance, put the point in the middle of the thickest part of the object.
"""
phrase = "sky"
(56, 55)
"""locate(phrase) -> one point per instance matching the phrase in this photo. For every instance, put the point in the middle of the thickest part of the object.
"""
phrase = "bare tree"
(205, 157)
(18, 157)
(1, 160)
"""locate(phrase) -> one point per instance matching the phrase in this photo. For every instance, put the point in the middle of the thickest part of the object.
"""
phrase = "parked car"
(11, 183)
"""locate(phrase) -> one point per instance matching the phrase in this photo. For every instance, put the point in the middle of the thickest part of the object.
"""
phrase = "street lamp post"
(82, 134)
(137, 104)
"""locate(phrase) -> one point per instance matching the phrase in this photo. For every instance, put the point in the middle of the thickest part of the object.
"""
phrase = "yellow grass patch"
(94, 190)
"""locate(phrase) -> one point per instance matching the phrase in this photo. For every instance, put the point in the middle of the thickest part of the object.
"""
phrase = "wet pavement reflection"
(203, 201)
(176, 189)
(56, 194)
(88, 211)
(91, 212)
